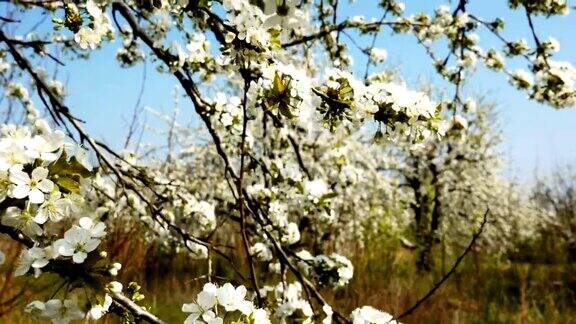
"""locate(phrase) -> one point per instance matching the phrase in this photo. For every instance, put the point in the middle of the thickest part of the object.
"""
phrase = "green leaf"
(279, 86)
(67, 173)
(285, 110)
(327, 196)
(68, 184)
(69, 166)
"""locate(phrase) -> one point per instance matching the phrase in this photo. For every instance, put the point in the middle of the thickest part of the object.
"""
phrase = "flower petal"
(19, 177)
(39, 173)
(45, 185)
(32, 229)
(40, 217)
(20, 191)
(36, 196)
(79, 257)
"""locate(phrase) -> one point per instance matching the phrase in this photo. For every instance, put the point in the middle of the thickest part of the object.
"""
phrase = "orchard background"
(287, 161)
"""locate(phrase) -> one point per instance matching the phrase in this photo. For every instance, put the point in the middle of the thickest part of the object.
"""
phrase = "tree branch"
(448, 274)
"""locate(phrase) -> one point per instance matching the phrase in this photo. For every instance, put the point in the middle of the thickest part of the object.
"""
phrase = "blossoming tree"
(292, 150)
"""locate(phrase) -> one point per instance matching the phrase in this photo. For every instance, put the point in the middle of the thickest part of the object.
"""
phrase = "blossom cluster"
(88, 37)
(45, 179)
(215, 303)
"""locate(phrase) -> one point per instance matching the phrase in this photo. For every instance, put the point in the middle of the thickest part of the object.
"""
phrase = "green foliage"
(280, 96)
(72, 18)
(67, 173)
(133, 292)
(336, 103)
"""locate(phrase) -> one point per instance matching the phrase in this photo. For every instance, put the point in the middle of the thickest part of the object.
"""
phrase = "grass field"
(485, 289)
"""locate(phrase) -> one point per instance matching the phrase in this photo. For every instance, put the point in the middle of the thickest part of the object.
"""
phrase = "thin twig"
(448, 274)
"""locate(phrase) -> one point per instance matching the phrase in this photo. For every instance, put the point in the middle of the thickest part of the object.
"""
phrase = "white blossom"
(34, 187)
(97, 311)
(77, 243)
(316, 188)
(54, 208)
(62, 312)
(233, 299)
(370, 315)
(378, 55)
(22, 220)
(33, 257)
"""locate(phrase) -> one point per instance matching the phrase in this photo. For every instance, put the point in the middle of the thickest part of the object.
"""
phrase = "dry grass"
(482, 291)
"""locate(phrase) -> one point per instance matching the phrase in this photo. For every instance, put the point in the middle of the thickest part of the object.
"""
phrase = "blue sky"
(535, 136)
